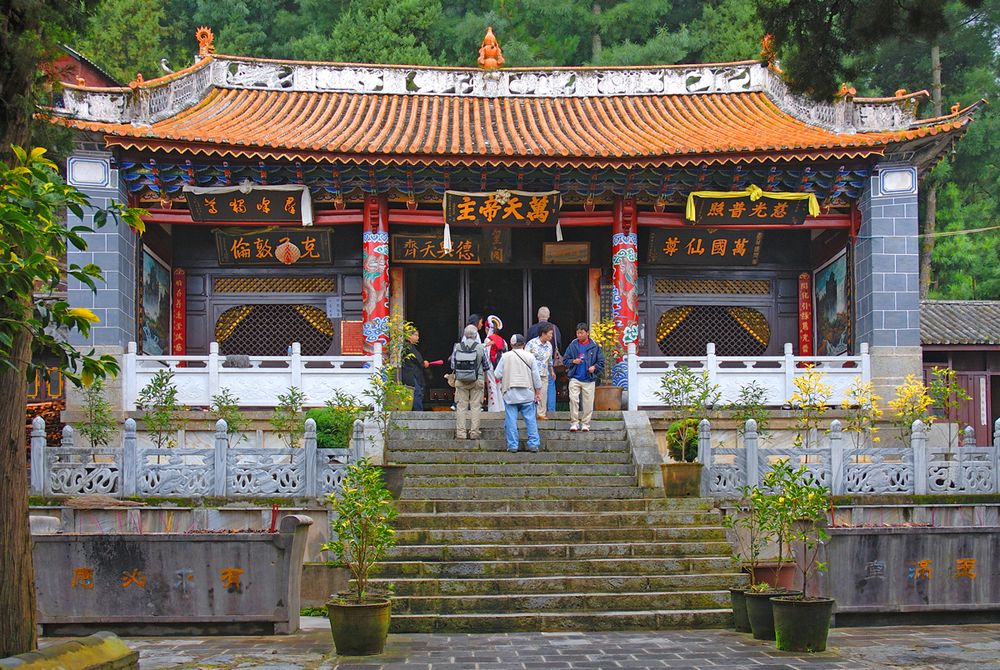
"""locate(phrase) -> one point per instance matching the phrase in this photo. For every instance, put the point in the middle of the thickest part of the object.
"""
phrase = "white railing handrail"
(199, 377)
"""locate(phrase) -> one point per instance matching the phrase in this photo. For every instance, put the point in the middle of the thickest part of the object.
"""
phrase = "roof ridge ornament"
(206, 41)
(768, 49)
(490, 53)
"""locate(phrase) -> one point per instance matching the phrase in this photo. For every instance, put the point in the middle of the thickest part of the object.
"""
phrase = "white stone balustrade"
(198, 378)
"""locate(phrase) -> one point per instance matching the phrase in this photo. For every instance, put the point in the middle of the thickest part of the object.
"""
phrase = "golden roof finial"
(900, 92)
(206, 39)
(846, 91)
(768, 50)
(490, 54)
(956, 107)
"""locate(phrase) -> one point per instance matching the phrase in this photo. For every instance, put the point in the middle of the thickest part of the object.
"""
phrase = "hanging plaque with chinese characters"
(273, 246)
(684, 246)
(492, 247)
(751, 206)
(278, 204)
(503, 207)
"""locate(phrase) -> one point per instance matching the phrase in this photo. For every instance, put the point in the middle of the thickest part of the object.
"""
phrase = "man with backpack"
(468, 361)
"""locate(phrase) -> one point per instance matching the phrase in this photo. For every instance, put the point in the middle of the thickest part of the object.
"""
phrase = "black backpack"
(468, 362)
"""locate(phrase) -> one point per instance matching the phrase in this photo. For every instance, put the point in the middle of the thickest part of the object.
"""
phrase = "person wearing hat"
(495, 346)
(517, 373)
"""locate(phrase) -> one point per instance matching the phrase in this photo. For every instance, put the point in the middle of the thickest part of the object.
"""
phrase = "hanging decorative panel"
(736, 331)
(268, 330)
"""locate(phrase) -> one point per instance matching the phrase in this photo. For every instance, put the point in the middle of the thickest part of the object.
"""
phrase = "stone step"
(657, 503)
(568, 520)
(428, 438)
(690, 543)
(448, 480)
(561, 621)
(600, 420)
(457, 568)
(629, 537)
(561, 584)
(499, 455)
(555, 602)
(523, 492)
(520, 467)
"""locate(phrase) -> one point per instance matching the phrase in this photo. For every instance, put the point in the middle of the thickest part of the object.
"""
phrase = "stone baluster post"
(130, 373)
(836, 458)
(67, 437)
(221, 458)
(705, 454)
(918, 443)
(358, 441)
(38, 445)
(633, 374)
(750, 452)
(295, 365)
(130, 459)
(969, 437)
(789, 374)
(711, 363)
(311, 456)
(213, 369)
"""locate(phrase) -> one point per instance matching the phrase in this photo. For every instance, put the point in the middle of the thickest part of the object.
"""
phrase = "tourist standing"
(412, 369)
(543, 317)
(469, 364)
(521, 384)
(495, 347)
(584, 364)
(541, 348)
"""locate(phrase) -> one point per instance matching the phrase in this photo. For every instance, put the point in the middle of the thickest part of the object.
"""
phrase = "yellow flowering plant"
(863, 413)
(912, 403)
(605, 334)
(811, 399)
(362, 527)
(948, 396)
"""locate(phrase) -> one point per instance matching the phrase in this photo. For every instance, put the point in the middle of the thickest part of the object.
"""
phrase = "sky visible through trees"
(877, 45)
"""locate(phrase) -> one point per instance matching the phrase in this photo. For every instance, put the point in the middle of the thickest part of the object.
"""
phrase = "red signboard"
(352, 338)
(178, 335)
(805, 315)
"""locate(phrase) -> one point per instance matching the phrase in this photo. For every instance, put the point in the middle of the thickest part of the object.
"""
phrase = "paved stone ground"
(914, 648)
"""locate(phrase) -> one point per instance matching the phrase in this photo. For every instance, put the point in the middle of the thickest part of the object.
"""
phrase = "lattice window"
(275, 285)
(714, 286)
(268, 330)
(736, 331)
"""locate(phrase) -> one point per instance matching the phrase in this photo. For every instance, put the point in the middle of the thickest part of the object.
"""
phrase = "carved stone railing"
(776, 374)
(140, 469)
(872, 470)
(198, 378)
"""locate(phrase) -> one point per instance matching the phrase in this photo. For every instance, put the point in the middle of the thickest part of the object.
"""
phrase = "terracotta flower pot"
(608, 398)
(681, 479)
(359, 629)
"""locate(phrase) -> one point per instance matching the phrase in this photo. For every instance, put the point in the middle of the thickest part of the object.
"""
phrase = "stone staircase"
(560, 540)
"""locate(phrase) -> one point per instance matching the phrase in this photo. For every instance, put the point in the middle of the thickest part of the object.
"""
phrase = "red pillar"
(624, 278)
(375, 270)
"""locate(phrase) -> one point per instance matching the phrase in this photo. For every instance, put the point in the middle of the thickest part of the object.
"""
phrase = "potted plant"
(397, 396)
(802, 622)
(335, 421)
(363, 534)
(608, 396)
(752, 532)
(690, 393)
(776, 511)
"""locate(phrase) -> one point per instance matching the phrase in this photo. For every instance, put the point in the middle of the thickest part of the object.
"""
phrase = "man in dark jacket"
(584, 363)
(412, 369)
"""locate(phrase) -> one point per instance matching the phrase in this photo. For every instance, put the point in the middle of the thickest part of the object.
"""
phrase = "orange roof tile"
(578, 130)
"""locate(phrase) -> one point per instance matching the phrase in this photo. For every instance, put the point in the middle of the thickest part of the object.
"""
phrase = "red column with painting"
(624, 275)
(375, 271)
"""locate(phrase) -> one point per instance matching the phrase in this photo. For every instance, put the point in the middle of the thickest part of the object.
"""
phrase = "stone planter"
(681, 479)
(393, 475)
(359, 629)
(741, 620)
(802, 625)
(608, 398)
(171, 583)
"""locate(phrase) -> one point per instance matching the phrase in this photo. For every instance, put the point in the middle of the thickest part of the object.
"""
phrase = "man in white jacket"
(517, 373)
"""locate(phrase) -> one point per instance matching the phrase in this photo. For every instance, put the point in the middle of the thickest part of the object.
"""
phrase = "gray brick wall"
(112, 248)
(886, 268)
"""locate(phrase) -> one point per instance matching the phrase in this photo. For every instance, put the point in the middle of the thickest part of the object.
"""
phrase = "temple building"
(301, 202)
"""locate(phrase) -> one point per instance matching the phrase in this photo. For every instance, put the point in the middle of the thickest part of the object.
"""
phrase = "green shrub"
(682, 440)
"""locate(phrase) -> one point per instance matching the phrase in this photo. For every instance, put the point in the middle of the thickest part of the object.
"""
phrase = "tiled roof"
(960, 322)
(267, 116)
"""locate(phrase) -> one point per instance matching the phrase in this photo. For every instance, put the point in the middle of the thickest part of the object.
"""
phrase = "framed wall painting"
(154, 312)
(832, 296)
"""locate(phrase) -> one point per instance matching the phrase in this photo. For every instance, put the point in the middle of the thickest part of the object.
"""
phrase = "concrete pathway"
(914, 648)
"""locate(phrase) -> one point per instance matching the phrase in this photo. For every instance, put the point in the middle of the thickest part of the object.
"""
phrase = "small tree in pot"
(362, 535)
(802, 622)
(752, 530)
(691, 393)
